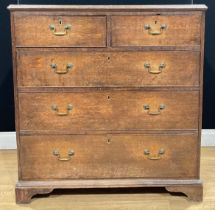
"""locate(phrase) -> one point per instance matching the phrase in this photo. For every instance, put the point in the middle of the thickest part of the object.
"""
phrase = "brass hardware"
(154, 157)
(56, 109)
(69, 155)
(151, 31)
(68, 68)
(155, 71)
(147, 107)
(66, 27)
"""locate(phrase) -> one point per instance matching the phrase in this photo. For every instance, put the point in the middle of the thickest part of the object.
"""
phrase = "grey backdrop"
(6, 83)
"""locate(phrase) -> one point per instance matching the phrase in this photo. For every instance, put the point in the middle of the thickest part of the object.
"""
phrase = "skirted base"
(25, 190)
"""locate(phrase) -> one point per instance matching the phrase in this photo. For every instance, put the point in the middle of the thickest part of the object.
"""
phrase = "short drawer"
(108, 110)
(158, 30)
(108, 156)
(60, 31)
(39, 67)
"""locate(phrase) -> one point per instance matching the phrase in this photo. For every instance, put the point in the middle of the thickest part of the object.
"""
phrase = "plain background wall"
(6, 83)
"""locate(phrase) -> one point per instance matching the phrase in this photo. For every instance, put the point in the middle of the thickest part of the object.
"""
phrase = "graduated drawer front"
(109, 110)
(159, 30)
(113, 156)
(69, 68)
(60, 31)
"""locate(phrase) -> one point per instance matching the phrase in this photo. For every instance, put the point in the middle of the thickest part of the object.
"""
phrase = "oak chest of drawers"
(108, 96)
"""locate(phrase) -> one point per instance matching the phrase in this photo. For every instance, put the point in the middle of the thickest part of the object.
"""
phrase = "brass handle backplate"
(56, 109)
(156, 156)
(55, 68)
(158, 112)
(153, 31)
(68, 157)
(54, 30)
(154, 71)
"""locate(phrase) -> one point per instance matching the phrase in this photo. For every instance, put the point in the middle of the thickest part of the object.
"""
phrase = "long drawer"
(113, 156)
(109, 110)
(156, 30)
(40, 67)
(60, 31)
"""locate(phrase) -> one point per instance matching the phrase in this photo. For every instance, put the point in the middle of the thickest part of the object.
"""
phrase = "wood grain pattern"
(99, 69)
(86, 31)
(109, 110)
(108, 156)
(181, 30)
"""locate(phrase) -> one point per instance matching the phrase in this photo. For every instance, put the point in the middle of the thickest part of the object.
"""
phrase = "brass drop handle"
(56, 109)
(67, 27)
(147, 107)
(154, 71)
(154, 157)
(67, 158)
(54, 31)
(152, 31)
(55, 68)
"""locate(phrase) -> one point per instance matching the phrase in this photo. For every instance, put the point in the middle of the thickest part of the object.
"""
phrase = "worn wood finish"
(13, 37)
(108, 156)
(88, 89)
(86, 31)
(138, 199)
(116, 8)
(181, 30)
(98, 69)
(201, 83)
(106, 199)
(24, 195)
(108, 95)
(107, 183)
(109, 110)
(26, 189)
(194, 192)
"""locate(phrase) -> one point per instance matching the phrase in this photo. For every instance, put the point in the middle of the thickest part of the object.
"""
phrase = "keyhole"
(109, 141)
(60, 21)
(108, 97)
(156, 22)
(108, 58)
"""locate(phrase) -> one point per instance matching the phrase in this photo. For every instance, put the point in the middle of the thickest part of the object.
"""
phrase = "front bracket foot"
(24, 195)
(193, 192)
